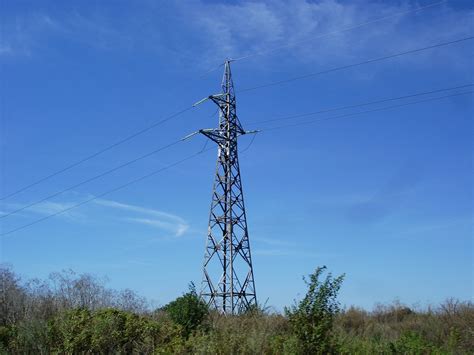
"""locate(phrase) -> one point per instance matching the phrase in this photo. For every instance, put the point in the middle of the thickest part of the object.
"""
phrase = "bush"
(110, 331)
(189, 311)
(43, 318)
(412, 343)
(70, 331)
(312, 318)
(240, 334)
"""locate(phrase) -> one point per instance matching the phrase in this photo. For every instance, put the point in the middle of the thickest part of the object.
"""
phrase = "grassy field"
(71, 314)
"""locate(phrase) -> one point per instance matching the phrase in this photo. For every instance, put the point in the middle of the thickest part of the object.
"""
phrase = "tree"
(188, 310)
(312, 318)
(12, 297)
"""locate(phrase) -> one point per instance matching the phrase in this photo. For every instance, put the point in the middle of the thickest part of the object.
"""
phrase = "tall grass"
(72, 314)
(395, 328)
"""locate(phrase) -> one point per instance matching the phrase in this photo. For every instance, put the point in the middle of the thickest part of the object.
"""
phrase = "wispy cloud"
(44, 208)
(250, 27)
(177, 228)
(195, 29)
(23, 34)
(168, 222)
(50, 207)
(155, 218)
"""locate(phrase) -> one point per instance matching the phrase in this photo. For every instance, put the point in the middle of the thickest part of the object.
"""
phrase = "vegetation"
(77, 314)
(313, 317)
(188, 311)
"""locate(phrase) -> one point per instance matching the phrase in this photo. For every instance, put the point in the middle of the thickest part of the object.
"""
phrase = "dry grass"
(448, 328)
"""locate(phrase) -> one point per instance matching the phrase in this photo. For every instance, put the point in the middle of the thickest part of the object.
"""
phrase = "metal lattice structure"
(228, 282)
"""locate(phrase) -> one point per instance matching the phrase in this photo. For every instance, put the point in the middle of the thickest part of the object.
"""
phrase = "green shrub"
(188, 311)
(111, 331)
(5, 337)
(45, 322)
(70, 331)
(412, 343)
(312, 318)
(240, 334)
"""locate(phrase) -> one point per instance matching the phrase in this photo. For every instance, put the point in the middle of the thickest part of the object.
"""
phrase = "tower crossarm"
(219, 136)
(228, 282)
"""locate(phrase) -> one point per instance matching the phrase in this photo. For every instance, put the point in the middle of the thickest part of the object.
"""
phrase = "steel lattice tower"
(228, 281)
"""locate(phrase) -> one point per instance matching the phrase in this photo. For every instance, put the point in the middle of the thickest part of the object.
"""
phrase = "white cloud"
(168, 222)
(162, 220)
(124, 206)
(49, 207)
(209, 32)
(250, 27)
(177, 228)
(44, 208)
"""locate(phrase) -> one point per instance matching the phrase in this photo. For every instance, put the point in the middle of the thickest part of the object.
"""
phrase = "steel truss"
(228, 281)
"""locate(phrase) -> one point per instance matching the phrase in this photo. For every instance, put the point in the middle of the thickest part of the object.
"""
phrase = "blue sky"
(385, 197)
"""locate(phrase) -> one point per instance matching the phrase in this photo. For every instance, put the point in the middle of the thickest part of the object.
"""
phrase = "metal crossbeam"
(228, 282)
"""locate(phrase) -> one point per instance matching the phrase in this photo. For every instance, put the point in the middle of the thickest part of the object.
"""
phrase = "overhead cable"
(364, 112)
(202, 151)
(97, 153)
(344, 29)
(399, 54)
(332, 109)
(91, 179)
(155, 172)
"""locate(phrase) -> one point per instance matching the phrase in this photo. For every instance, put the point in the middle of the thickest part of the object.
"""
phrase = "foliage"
(109, 331)
(447, 329)
(189, 310)
(312, 318)
(46, 317)
(247, 334)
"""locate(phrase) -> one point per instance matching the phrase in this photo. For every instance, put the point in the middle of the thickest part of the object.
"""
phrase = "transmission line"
(97, 176)
(92, 178)
(442, 44)
(109, 147)
(242, 151)
(344, 29)
(250, 144)
(156, 124)
(155, 172)
(202, 151)
(332, 109)
(99, 152)
(364, 112)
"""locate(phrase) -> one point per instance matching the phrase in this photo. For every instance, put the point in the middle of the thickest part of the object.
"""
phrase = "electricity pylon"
(228, 281)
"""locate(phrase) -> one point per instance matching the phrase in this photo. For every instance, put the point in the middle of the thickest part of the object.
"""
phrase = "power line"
(364, 112)
(202, 151)
(356, 64)
(245, 149)
(332, 109)
(250, 144)
(101, 151)
(92, 178)
(105, 193)
(242, 151)
(345, 29)
(107, 148)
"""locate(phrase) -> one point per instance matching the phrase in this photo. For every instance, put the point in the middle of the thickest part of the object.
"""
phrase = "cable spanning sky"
(380, 190)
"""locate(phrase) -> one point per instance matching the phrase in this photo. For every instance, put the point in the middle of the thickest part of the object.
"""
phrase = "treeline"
(76, 314)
